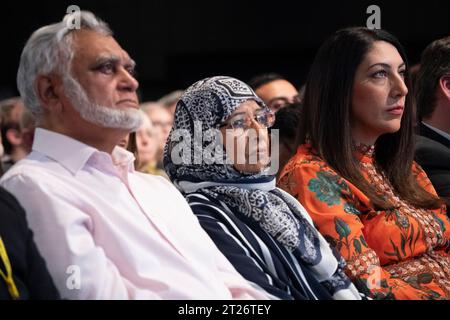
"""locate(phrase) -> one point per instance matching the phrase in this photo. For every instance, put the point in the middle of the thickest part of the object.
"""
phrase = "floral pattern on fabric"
(402, 253)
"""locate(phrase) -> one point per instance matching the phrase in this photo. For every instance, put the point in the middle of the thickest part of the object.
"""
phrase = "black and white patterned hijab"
(207, 104)
(201, 110)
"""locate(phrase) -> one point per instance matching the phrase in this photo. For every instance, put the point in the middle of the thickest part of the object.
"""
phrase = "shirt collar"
(73, 154)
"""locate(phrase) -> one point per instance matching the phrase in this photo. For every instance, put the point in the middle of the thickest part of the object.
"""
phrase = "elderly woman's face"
(147, 142)
(245, 137)
(379, 93)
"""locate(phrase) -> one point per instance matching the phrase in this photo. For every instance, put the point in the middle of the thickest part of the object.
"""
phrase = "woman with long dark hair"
(354, 170)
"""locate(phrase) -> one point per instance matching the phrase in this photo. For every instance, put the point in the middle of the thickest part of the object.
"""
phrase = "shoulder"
(305, 160)
(204, 205)
(11, 212)
(35, 167)
(209, 210)
(431, 150)
(26, 178)
(8, 200)
(303, 167)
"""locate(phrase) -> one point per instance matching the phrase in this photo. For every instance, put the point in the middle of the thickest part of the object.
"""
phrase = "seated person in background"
(11, 111)
(125, 142)
(274, 90)
(23, 273)
(27, 127)
(354, 170)
(170, 100)
(263, 231)
(147, 147)
(287, 120)
(433, 109)
(162, 121)
(112, 232)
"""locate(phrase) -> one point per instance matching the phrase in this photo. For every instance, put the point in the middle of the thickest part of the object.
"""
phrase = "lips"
(396, 110)
(128, 102)
(260, 154)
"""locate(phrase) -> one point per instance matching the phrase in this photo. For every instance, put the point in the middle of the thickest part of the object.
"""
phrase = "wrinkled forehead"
(90, 46)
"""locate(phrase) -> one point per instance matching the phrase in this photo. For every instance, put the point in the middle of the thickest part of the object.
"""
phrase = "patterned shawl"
(209, 103)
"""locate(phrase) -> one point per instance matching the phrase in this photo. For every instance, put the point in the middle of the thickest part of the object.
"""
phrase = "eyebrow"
(385, 65)
(243, 112)
(114, 59)
(277, 98)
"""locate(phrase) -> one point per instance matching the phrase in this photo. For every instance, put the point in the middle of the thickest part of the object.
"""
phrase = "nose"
(258, 130)
(255, 124)
(144, 140)
(399, 88)
(127, 81)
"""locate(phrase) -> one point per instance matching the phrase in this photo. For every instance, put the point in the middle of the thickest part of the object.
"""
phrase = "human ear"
(47, 92)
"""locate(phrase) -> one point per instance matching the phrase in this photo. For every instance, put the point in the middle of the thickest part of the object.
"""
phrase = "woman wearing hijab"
(217, 155)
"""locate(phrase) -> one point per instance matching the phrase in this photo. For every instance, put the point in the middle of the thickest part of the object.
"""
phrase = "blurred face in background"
(162, 121)
(124, 141)
(2, 150)
(277, 94)
(147, 142)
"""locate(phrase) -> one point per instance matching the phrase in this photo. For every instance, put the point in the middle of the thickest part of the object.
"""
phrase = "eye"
(278, 103)
(402, 73)
(381, 74)
(107, 68)
(131, 70)
(238, 123)
(261, 118)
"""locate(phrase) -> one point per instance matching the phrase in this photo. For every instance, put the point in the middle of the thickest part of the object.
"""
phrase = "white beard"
(127, 119)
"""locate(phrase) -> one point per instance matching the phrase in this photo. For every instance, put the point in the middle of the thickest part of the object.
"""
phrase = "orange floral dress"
(402, 253)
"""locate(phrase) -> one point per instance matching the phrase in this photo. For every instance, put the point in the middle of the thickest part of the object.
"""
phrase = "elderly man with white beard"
(105, 230)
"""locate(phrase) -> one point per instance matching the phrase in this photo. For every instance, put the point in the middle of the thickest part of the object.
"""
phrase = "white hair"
(128, 119)
(49, 50)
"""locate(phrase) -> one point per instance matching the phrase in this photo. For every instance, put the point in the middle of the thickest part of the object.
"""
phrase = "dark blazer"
(433, 155)
(29, 270)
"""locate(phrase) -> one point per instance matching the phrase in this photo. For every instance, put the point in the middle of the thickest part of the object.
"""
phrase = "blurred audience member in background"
(162, 121)
(11, 111)
(169, 101)
(274, 90)
(27, 127)
(413, 71)
(147, 144)
(287, 121)
(433, 109)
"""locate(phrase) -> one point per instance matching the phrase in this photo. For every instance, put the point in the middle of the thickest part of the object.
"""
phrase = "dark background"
(176, 43)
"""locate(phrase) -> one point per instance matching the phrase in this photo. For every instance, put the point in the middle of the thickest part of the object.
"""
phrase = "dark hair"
(287, 120)
(262, 79)
(434, 64)
(326, 118)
